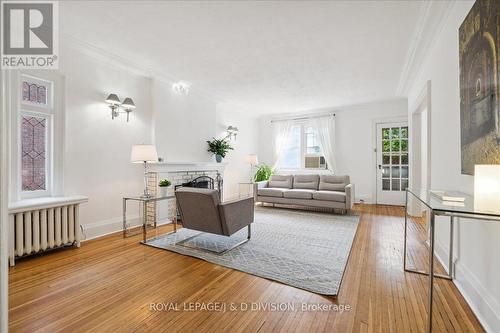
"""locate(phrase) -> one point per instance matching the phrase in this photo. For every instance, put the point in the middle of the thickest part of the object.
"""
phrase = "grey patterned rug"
(307, 250)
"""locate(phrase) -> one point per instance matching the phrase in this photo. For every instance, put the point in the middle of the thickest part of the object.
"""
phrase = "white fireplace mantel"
(163, 167)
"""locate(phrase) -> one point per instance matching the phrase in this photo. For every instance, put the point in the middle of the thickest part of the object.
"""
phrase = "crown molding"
(433, 15)
(122, 63)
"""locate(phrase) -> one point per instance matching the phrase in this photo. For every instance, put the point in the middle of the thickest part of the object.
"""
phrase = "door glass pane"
(404, 132)
(404, 145)
(404, 172)
(395, 185)
(386, 172)
(395, 146)
(395, 133)
(33, 143)
(395, 172)
(395, 159)
(386, 134)
(386, 159)
(386, 146)
(404, 159)
(404, 184)
(386, 184)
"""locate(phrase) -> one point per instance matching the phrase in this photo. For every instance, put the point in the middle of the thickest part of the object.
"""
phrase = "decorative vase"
(163, 191)
(218, 158)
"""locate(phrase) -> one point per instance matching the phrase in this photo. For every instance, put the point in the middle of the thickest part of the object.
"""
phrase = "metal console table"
(144, 201)
(437, 207)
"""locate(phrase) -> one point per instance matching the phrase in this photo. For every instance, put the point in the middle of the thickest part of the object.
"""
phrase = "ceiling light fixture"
(181, 88)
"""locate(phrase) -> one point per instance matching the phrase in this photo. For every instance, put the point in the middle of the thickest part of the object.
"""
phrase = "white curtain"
(281, 136)
(325, 129)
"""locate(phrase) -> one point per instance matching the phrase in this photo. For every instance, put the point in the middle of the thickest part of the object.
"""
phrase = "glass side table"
(469, 209)
(245, 189)
(144, 201)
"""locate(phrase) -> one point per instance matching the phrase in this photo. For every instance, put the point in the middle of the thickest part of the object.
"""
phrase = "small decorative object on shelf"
(164, 184)
(219, 147)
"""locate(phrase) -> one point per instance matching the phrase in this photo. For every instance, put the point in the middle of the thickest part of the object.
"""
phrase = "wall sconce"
(115, 105)
(181, 88)
(232, 131)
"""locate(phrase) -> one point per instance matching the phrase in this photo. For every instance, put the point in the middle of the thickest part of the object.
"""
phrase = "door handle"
(380, 166)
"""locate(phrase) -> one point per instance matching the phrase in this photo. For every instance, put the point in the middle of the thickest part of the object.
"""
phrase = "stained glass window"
(33, 144)
(34, 93)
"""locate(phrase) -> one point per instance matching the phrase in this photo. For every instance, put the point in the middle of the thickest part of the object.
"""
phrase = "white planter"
(163, 191)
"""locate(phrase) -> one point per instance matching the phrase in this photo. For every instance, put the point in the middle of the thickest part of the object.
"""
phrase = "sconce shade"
(232, 129)
(252, 159)
(113, 99)
(128, 103)
(487, 187)
(143, 153)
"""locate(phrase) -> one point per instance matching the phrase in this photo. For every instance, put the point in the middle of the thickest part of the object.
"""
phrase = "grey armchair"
(201, 210)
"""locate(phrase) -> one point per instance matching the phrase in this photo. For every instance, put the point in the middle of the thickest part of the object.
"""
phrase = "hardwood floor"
(109, 284)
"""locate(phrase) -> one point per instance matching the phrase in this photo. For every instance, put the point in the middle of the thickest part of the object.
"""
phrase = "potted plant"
(219, 147)
(264, 172)
(164, 184)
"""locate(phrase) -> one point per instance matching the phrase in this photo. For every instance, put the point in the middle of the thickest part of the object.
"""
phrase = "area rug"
(307, 250)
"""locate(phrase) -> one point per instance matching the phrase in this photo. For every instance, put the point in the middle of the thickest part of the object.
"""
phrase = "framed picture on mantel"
(479, 37)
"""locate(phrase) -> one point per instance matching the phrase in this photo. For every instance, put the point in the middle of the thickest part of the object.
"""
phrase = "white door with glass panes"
(392, 162)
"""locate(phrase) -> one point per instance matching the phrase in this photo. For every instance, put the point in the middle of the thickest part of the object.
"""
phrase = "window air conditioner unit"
(312, 162)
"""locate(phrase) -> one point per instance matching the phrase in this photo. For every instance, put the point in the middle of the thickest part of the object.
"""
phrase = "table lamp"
(253, 161)
(487, 187)
(144, 154)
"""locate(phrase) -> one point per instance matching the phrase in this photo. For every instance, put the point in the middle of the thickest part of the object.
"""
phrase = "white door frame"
(4, 270)
(422, 103)
(375, 122)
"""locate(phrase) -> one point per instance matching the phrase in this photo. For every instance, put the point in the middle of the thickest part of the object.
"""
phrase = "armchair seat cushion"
(330, 196)
(298, 194)
(271, 192)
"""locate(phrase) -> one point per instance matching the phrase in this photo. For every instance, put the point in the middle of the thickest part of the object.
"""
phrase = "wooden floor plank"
(109, 284)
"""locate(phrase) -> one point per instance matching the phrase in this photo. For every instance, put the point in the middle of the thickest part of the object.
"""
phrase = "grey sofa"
(325, 191)
(201, 210)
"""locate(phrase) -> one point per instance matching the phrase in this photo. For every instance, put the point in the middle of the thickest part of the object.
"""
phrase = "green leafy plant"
(263, 173)
(219, 147)
(164, 183)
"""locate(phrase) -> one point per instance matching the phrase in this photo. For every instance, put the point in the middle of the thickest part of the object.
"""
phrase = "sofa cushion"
(270, 192)
(309, 182)
(333, 183)
(298, 194)
(280, 181)
(329, 196)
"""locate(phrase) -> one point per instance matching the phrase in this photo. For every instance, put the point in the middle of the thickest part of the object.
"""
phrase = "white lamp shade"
(487, 187)
(143, 153)
(252, 159)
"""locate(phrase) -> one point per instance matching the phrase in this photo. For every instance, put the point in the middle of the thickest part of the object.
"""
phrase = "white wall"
(354, 140)
(246, 143)
(182, 124)
(477, 243)
(97, 148)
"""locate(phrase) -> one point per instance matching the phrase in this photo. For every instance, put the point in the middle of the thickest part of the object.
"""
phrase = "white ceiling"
(265, 57)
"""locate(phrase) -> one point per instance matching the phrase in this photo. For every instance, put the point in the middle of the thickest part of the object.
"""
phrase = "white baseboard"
(110, 226)
(485, 307)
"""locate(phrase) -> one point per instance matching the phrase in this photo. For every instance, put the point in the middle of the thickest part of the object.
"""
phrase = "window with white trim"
(302, 151)
(35, 134)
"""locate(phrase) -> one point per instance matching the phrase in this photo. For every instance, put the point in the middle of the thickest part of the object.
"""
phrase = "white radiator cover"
(37, 225)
